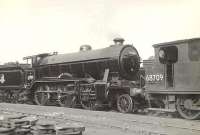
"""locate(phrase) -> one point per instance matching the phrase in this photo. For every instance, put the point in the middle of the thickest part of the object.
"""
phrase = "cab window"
(168, 54)
(194, 50)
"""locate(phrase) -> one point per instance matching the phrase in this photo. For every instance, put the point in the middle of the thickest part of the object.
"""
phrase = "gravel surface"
(113, 123)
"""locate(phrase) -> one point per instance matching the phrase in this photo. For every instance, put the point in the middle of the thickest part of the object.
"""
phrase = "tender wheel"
(66, 100)
(124, 103)
(40, 96)
(184, 112)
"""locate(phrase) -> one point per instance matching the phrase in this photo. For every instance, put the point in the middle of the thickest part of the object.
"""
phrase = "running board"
(162, 110)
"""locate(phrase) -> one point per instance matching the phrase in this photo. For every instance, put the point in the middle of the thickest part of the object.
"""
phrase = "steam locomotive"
(172, 78)
(110, 77)
(92, 79)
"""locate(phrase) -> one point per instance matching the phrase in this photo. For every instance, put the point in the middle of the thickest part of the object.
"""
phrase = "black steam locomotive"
(108, 77)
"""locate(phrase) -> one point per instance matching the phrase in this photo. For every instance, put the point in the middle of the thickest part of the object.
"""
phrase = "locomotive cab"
(172, 79)
(36, 59)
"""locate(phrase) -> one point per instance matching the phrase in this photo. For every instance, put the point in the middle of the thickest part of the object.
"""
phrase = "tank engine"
(90, 78)
(172, 78)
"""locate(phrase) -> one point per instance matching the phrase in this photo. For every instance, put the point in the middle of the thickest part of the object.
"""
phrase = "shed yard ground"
(112, 123)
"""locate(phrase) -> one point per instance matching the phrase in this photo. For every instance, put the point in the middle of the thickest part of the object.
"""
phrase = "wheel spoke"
(41, 98)
(186, 113)
(124, 103)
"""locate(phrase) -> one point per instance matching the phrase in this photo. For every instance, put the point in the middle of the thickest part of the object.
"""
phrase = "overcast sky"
(29, 27)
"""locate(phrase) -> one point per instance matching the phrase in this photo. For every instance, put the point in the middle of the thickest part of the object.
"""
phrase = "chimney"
(118, 41)
(85, 48)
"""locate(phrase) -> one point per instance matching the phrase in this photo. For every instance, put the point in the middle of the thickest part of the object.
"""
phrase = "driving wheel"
(40, 96)
(124, 103)
(66, 100)
(184, 112)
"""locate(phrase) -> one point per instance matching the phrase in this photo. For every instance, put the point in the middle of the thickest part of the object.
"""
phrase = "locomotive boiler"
(107, 77)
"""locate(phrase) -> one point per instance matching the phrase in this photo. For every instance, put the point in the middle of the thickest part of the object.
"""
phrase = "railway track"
(99, 122)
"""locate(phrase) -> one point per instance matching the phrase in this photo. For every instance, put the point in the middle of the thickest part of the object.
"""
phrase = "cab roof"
(177, 42)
